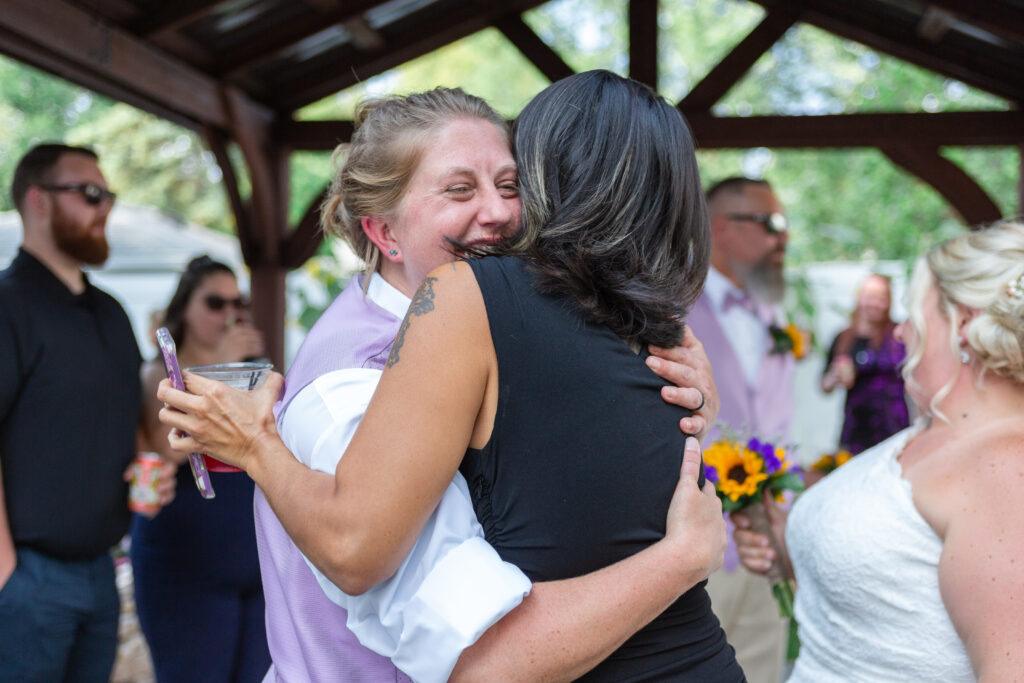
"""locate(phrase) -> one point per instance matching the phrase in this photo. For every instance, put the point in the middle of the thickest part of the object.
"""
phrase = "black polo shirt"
(69, 409)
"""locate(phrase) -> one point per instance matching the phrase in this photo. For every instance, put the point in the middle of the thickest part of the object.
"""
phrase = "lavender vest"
(764, 410)
(306, 632)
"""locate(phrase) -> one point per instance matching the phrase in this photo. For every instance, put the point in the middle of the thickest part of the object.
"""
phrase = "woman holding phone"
(197, 580)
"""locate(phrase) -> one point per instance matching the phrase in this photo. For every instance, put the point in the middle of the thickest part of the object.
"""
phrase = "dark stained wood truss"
(237, 70)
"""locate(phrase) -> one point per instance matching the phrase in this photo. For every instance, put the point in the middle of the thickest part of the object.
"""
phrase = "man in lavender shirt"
(733, 318)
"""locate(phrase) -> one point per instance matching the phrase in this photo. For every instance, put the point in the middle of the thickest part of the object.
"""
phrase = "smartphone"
(195, 460)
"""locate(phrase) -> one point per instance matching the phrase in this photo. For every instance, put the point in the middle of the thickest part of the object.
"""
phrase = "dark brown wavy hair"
(613, 210)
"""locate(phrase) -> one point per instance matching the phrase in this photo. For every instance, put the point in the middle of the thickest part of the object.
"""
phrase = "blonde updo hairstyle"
(376, 167)
(974, 271)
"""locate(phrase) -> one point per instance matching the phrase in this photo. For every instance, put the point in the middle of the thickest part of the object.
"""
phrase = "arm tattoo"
(422, 303)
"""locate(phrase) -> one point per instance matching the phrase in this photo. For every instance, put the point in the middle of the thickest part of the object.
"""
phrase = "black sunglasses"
(774, 223)
(217, 303)
(93, 194)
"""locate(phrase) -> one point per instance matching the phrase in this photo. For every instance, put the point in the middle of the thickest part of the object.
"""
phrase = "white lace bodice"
(866, 562)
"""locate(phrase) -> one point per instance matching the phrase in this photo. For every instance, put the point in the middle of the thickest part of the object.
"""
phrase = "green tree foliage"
(36, 107)
(843, 203)
(152, 161)
(147, 160)
(484, 64)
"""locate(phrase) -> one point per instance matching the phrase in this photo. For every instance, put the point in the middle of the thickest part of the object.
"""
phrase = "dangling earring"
(393, 252)
(965, 357)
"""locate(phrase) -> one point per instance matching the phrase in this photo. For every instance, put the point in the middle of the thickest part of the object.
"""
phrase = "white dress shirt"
(453, 585)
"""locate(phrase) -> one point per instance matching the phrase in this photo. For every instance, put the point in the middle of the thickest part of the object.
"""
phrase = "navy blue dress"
(581, 466)
(197, 584)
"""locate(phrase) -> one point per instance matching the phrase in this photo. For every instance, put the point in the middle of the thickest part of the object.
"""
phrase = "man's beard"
(77, 241)
(764, 280)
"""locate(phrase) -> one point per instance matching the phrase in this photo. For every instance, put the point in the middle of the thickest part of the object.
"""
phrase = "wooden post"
(266, 216)
(643, 41)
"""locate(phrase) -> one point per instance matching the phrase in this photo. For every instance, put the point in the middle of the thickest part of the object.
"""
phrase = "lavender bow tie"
(735, 297)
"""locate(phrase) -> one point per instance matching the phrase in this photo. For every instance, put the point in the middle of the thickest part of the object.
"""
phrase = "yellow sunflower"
(798, 340)
(739, 469)
(825, 463)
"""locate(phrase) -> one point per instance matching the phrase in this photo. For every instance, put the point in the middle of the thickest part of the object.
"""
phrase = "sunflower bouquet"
(742, 473)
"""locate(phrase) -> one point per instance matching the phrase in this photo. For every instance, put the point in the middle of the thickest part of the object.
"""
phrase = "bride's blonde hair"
(974, 271)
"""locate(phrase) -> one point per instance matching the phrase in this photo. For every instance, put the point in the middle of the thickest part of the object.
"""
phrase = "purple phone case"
(195, 460)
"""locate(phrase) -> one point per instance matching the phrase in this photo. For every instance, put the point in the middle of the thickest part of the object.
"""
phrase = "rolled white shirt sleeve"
(451, 588)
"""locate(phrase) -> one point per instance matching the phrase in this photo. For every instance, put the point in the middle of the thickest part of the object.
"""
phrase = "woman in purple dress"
(865, 358)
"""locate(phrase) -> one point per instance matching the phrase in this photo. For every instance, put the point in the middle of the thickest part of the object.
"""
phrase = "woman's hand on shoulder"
(687, 367)
(695, 522)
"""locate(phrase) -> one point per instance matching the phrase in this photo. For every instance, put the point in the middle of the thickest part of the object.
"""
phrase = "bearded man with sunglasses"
(733, 317)
(69, 412)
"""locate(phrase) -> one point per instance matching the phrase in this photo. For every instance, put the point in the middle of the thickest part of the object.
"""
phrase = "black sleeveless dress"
(581, 466)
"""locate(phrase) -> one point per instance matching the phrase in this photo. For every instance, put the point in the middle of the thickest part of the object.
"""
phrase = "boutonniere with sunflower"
(742, 472)
(789, 339)
(832, 461)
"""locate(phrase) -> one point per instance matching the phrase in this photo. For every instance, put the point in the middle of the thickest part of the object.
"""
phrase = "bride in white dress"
(909, 559)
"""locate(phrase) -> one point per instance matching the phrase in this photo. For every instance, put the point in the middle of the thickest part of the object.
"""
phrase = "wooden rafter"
(313, 135)
(715, 132)
(303, 242)
(267, 161)
(416, 37)
(533, 48)
(643, 41)
(999, 18)
(268, 45)
(171, 16)
(858, 130)
(73, 44)
(893, 35)
(734, 65)
(960, 190)
(217, 141)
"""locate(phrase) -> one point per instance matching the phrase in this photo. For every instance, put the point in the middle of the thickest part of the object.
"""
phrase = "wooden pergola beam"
(984, 128)
(417, 39)
(262, 48)
(71, 43)
(540, 54)
(960, 190)
(734, 65)
(998, 18)
(643, 41)
(895, 39)
(217, 141)
(304, 240)
(172, 15)
(267, 160)
(313, 135)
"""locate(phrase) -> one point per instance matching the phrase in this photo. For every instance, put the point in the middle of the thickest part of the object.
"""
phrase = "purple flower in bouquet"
(772, 463)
